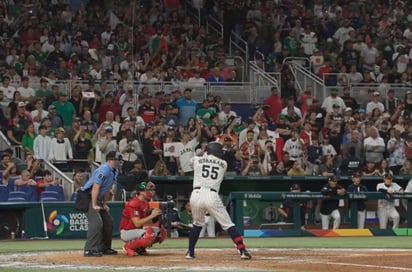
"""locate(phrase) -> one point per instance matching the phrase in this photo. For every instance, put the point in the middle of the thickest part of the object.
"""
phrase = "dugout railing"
(238, 200)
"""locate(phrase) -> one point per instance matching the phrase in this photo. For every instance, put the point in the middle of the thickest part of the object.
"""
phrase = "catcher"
(140, 226)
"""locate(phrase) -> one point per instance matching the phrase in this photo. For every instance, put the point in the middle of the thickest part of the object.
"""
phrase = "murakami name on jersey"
(214, 161)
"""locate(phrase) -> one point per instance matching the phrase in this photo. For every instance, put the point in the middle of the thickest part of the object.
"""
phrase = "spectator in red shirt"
(275, 103)
(109, 105)
(325, 69)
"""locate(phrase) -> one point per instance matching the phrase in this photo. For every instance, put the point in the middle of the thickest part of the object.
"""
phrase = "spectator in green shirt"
(205, 112)
(44, 91)
(65, 109)
(28, 139)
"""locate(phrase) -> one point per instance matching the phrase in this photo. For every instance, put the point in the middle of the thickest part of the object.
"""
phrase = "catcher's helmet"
(214, 148)
(147, 187)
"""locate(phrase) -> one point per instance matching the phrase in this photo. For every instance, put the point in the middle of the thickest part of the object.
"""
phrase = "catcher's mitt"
(155, 219)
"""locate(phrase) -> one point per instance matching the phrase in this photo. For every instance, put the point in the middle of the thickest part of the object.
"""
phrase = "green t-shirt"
(66, 111)
(205, 114)
(42, 93)
(185, 217)
(28, 141)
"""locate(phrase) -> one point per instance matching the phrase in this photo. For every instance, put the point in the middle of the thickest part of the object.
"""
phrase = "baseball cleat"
(245, 255)
(190, 255)
(110, 251)
(92, 253)
(141, 251)
(129, 252)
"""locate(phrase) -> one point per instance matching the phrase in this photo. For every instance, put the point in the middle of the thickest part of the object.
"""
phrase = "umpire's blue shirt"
(105, 175)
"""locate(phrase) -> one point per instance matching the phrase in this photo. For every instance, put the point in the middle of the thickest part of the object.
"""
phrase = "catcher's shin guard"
(143, 242)
(161, 235)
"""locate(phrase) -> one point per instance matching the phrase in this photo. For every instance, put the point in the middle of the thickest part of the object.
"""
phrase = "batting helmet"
(215, 149)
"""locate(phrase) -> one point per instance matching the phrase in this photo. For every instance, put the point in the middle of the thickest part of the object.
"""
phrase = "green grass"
(401, 242)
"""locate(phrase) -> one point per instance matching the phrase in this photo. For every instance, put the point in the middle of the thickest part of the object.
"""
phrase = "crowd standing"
(291, 134)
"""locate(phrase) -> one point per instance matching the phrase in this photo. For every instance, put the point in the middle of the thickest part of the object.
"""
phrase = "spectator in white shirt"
(329, 101)
(27, 92)
(291, 103)
(41, 144)
(196, 80)
(38, 114)
(7, 90)
(374, 146)
(60, 148)
(225, 115)
(375, 103)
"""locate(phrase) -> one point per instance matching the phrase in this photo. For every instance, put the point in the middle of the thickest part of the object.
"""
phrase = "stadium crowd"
(293, 134)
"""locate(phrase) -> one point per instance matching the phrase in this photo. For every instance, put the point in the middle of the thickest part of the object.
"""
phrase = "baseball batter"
(136, 226)
(209, 171)
(387, 207)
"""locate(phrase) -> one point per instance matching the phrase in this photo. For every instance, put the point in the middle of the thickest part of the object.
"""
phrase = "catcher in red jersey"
(140, 226)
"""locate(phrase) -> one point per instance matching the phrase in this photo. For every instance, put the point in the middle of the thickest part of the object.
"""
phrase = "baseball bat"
(44, 224)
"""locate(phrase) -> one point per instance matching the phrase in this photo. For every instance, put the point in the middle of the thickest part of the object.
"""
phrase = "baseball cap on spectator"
(319, 115)
(110, 47)
(227, 139)
(73, 55)
(356, 175)
(170, 128)
(361, 110)
(388, 176)
(108, 129)
(60, 129)
(376, 94)
(51, 107)
(21, 104)
(335, 106)
(282, 117)
(348, 109)
(169, 107)
(43, 80)
(76, 119)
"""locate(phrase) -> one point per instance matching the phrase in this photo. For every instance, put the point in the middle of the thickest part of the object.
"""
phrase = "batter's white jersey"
(209, 171)
(208, 175)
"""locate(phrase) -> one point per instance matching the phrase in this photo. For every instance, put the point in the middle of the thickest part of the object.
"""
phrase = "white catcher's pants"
(335, 215)
(385, 213)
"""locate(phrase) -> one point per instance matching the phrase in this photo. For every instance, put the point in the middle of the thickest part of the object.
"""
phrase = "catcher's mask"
(148, 188)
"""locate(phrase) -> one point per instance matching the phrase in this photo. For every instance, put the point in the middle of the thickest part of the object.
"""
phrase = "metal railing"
(262, 81)
(236, 43)
(65, 181)
(18, 150)
(304, 78)
(213, 25)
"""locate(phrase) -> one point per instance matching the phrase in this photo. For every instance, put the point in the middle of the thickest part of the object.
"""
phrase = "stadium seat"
(49, 196)
(58, 190)
(4, 193)
(11, 182)
(31, 192)
(73, 197)
(16, 196)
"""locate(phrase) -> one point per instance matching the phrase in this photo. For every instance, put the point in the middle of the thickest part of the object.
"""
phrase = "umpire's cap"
(113, 155)
(145, 186)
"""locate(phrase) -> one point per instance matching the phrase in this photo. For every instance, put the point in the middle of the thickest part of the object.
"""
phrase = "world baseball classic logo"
(57, 222)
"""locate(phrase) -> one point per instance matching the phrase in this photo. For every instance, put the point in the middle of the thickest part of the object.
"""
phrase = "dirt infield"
(336, 260)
